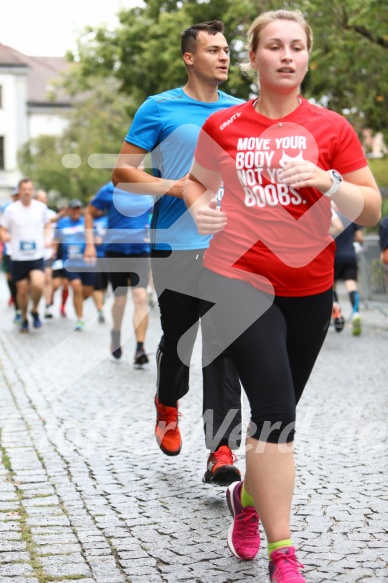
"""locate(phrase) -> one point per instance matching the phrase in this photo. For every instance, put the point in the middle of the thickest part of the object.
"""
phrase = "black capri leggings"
(274, 353)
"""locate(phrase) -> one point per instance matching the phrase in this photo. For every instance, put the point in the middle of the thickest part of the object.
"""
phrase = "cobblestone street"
(86, 495)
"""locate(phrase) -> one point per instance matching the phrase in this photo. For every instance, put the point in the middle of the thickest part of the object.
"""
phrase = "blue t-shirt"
(345, 253)
(100, 226)
(6, 246)
(128, 219)
(71, 235)
(168, 125)
(383, 233)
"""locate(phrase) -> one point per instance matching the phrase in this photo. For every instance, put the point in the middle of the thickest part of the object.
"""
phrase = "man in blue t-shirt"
(70, 234)
(101, 279)
(127, 252)
(346, 270)
(383, 239)
(167, 125)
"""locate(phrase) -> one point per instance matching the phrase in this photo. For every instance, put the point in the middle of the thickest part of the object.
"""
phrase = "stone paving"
(86, 495)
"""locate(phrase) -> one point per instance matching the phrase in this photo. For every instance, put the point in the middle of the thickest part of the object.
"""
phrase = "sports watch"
(336, 179)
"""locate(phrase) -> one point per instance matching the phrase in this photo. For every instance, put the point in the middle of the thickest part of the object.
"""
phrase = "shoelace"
(168, 417)
(249, 522)
(285, 565)
(225, 456)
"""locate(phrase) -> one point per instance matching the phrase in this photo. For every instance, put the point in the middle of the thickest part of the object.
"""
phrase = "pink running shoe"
(284, 566)
(243, 534)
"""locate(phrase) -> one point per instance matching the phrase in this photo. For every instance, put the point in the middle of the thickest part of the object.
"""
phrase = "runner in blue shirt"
(167, 125)
(101, 279)
(383, 239)
(70, 233)
(127, 251)
(346, 270)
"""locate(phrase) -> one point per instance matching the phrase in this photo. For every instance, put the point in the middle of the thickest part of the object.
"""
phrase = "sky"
(48, 28)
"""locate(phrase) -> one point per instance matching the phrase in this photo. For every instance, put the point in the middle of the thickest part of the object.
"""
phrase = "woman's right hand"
(210, 219)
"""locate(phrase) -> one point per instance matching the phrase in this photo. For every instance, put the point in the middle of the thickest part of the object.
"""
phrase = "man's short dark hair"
(189, 36)
(23, 181)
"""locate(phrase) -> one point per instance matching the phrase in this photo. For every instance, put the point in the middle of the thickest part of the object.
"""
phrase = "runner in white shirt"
(24, 223)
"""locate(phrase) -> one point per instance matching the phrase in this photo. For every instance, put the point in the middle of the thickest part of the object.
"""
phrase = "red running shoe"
(220, 469)
(167, 431)
(284, 566)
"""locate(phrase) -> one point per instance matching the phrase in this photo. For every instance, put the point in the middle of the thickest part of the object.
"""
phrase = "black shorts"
(21, 269)
(345, 272)
(59, 273)
(86, 277)
(101, 279)
(128, 271)
(48, 263)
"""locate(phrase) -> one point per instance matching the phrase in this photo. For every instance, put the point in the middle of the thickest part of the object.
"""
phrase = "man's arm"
(384, 256)
(127, 176)
(4, 234)
(48, 236)
(91, 213)
(358, 236)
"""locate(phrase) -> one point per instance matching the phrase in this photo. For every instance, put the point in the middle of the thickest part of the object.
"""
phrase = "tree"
(349, 65)
(62, 165)
(114, 71)
(348, 70)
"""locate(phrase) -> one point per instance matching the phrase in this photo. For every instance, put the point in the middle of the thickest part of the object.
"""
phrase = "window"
(1, 152)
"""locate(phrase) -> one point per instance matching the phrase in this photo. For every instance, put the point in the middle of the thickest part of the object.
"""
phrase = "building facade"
(30, 106)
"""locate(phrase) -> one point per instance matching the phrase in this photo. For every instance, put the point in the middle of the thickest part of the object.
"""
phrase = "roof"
(42, 73)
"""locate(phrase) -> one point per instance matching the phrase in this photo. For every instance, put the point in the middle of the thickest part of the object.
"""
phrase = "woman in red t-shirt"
(269, 267)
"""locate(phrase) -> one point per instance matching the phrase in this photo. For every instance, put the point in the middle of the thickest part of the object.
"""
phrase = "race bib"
(27, 247)
(74, 251)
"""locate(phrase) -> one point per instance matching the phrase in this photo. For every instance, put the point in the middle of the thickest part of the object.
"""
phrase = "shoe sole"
(224, 476)
(168, 452)
(116, 354)
(357, 329)
(339, 324)
(143, 359)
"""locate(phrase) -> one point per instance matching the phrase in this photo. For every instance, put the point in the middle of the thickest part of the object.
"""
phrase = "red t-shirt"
(275, 232)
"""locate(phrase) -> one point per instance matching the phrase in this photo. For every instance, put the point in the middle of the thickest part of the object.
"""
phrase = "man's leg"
(179, 312)
(36, 285)
(48, 290)
(78, 298)
(22, 289)
(221, 411)
(140, 323)
(354, 297)
(118, 310)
